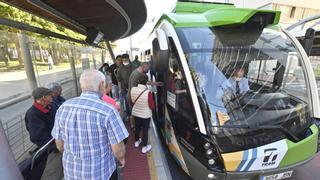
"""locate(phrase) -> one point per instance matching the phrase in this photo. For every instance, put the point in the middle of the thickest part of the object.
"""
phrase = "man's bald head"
(92, 80)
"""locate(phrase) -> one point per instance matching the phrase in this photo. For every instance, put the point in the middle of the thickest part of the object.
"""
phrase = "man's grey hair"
(91, 79)
(54, 86)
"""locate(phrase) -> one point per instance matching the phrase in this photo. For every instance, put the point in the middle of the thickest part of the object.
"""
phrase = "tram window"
(272, 68)
(262, 72)
(177, 86)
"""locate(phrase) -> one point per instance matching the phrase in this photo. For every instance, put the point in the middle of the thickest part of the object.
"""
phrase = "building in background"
(291, 10)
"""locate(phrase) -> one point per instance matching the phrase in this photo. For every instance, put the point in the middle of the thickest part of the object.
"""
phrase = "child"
(143, 105)
(105, 97)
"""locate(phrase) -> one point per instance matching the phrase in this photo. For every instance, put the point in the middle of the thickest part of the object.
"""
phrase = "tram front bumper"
(285, 172)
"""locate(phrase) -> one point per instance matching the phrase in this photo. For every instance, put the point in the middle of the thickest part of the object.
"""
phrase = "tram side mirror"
(160, 50)
(307, 41)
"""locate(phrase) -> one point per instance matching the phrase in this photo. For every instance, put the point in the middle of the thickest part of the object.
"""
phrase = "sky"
(155, 8)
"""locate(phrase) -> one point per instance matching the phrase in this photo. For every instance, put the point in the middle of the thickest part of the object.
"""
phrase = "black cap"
(40, 92)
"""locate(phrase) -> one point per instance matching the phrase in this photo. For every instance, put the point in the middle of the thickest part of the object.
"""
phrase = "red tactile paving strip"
(136, 167)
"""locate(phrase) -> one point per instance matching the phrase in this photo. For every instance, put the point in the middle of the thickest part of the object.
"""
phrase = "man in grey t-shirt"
(142, 70)
(134, 77)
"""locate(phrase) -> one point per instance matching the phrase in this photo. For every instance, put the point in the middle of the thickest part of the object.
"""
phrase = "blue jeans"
(124, 102)
(115, 91)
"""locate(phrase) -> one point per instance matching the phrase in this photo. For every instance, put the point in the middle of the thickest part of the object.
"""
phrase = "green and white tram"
(212, 130)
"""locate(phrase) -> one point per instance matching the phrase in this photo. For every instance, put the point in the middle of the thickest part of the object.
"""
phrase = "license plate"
(283, 175)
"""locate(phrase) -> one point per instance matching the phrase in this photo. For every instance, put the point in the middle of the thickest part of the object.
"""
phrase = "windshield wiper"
(257, 127)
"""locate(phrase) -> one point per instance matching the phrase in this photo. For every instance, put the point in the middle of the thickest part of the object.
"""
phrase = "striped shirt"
(88, 126)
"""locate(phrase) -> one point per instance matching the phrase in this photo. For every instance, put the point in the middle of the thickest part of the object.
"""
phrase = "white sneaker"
(146, 148)
(137, 143)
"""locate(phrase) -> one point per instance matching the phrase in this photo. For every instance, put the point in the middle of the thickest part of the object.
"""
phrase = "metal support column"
(94, 61)
(130, 44)
(74, 72)
(27, 60)
(110, 51)
(102, 57)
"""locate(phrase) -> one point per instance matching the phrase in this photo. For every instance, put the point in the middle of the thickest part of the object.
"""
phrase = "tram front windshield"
(249, 82)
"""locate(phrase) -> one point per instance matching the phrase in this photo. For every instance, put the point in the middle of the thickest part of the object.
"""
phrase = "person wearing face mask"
(90, 132)
(39, 121)
(123, 75)
(240, 84)
(142, 70)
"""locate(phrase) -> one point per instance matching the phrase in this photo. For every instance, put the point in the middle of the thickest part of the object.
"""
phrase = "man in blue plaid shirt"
(90, 132)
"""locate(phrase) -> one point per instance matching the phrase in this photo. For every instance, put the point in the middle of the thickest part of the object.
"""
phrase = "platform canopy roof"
(114, 18)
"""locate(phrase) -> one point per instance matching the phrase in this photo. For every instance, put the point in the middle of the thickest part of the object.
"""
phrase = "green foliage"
(13, 13)
(58, 48)
(317, 72)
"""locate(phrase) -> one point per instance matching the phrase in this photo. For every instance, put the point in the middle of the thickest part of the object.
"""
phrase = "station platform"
(157, 164)
(150, 166)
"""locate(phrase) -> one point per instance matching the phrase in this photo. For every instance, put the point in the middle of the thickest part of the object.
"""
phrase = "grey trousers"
(53, 169)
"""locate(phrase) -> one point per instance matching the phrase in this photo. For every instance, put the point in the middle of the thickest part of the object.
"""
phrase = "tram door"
(180, 118)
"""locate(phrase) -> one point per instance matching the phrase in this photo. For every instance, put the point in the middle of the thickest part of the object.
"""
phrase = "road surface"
(15, 84)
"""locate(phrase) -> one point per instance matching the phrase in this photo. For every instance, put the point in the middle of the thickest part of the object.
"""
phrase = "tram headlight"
(209, 152)
(211, 176)
(211, 162)
(207, 146)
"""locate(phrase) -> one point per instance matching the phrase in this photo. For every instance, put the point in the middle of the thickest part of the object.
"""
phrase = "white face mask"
(238, 78)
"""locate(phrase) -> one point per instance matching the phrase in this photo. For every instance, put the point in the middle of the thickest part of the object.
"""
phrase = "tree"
(55, 46)
(4, 50)
(27, 18)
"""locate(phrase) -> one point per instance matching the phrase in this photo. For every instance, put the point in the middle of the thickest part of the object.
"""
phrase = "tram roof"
(115, 19)
(197, 14)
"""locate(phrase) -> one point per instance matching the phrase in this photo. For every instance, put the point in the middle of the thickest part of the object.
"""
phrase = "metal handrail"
(303, 21)
(39, 151)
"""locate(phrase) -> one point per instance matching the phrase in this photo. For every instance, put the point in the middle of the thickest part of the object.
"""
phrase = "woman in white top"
(143, 105)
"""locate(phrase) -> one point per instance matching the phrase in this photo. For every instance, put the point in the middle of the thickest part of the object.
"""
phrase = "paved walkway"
(136, 162)
(149, 166)
(20, 75)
